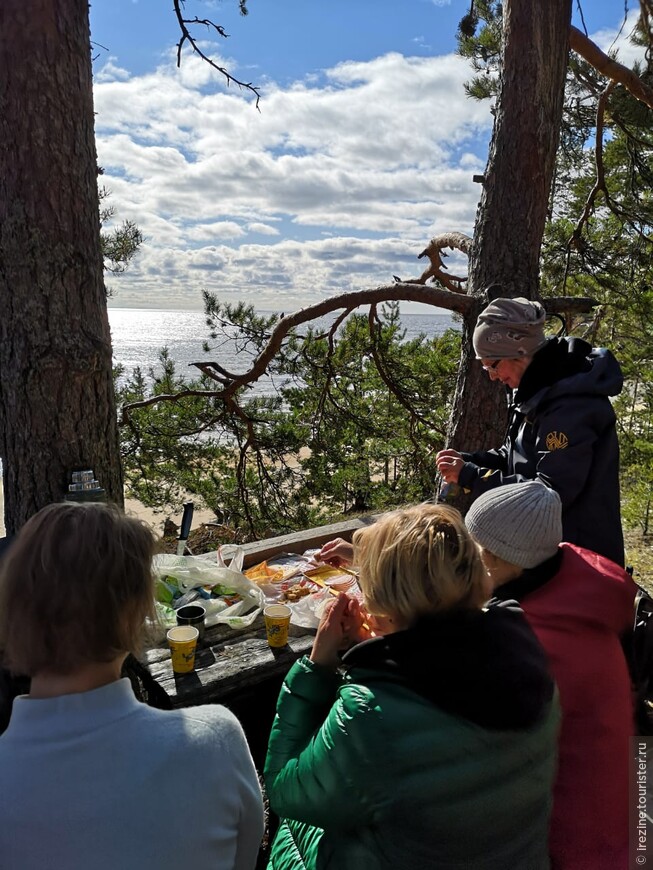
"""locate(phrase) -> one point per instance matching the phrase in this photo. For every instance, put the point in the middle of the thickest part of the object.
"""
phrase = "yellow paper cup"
(277, 620)
(183, 643)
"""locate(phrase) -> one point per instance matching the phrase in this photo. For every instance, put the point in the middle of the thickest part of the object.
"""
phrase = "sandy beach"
(157, 518)
(136, 509)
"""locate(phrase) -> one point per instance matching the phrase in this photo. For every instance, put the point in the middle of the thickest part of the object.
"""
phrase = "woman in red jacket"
(579, 604)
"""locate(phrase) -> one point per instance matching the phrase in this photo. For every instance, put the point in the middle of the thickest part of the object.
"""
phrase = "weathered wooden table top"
(232, 663)
(228, 662)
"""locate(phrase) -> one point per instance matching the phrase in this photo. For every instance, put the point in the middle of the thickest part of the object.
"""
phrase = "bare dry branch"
(435, 251)
(164, 397)
(569, 304)
(599, 184)
(187, 37)
(231, 382)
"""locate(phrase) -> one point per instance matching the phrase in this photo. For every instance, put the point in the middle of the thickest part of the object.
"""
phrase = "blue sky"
(364, 146)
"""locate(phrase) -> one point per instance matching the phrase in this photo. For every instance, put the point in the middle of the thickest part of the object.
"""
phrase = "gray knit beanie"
(509, 329)
(520, 522)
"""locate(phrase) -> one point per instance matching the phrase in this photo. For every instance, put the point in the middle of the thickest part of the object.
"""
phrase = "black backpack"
(638, 647)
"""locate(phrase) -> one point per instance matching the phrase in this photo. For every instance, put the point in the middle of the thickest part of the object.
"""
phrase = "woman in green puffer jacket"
(430, 746)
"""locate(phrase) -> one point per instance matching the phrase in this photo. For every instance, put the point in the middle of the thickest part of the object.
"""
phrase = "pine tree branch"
(232, 382)
(401, 292)
(609, 67)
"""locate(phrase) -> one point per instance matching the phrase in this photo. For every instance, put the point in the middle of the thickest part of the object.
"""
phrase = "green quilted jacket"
(434, 751)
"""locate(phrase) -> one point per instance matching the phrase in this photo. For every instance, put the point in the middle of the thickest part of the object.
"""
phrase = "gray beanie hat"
(509, 329)
(520, 522)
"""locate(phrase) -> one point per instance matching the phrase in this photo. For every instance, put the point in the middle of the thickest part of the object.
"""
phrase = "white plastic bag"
(211, 569)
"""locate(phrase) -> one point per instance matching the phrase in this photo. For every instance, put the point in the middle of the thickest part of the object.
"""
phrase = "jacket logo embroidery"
(556, 441)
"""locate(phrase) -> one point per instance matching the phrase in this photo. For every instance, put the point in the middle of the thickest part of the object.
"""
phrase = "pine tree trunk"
(57, 402)
(513, 207)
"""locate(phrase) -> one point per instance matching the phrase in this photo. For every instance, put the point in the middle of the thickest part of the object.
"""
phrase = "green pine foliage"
(479, 40)
(119, 244)
(352, 427)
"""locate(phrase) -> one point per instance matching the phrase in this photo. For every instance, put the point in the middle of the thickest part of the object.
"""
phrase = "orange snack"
(263, 573)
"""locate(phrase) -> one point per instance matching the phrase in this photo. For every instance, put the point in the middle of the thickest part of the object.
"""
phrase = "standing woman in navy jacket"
(562, 428)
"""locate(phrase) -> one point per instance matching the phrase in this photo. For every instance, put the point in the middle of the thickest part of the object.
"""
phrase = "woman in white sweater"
(89, 776)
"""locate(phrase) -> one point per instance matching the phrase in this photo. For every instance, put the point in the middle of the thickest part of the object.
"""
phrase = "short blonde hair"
(419, 561)
(75, 587)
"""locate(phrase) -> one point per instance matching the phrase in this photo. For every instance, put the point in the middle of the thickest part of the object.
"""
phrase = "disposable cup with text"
(277, 620)
(183, 643)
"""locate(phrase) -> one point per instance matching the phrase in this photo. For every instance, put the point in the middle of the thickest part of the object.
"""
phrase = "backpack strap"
(638, 649)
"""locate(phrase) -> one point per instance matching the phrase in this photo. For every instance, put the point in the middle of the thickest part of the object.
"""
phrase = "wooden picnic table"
(228, 662)
(236, 667)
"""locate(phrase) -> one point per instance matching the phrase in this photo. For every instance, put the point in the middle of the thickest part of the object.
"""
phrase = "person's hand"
(341, 626)
(337, 553)
(450, 464)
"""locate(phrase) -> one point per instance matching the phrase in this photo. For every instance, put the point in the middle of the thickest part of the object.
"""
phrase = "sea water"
(138, 334)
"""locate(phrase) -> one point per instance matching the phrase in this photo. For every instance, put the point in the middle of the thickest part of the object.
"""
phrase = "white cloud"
(346, 174)
(111, 72)
(611, 39)
(217, 230)
(262, 229)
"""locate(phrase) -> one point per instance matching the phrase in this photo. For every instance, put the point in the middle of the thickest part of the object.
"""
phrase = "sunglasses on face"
(491, 367)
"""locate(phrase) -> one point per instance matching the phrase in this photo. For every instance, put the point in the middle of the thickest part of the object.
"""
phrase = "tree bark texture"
(513, 208)
(57, 403)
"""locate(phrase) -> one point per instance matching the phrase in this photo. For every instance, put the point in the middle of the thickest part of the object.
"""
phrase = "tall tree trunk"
(513, 207)
(57, 402)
